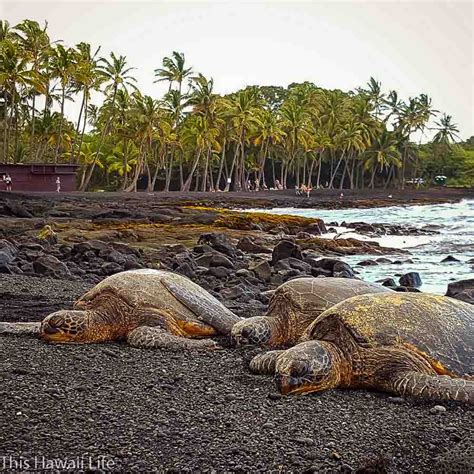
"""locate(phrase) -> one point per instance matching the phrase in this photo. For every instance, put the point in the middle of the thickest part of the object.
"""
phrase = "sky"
(411, 46)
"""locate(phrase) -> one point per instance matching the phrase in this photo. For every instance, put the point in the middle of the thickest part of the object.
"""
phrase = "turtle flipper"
(159, 338)
(205, 307)
(20, 329)
(265, 363)
(435, 387)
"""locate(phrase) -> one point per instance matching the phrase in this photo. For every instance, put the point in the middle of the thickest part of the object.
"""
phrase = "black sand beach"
(147, 411)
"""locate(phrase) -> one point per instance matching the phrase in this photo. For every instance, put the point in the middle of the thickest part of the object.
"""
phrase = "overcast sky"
(413, 47)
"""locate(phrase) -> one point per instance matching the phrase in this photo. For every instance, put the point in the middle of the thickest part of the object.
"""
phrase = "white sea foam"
(454, 221)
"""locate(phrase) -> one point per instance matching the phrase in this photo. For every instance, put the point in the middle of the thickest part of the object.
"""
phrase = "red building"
(39, 177)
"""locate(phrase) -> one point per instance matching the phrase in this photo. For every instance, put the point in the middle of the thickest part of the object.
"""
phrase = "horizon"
(425, 61)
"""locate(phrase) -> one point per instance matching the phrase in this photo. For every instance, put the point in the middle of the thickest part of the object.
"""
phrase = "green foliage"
(194, 138)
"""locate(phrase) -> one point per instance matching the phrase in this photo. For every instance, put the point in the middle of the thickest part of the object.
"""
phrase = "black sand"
(190, 412)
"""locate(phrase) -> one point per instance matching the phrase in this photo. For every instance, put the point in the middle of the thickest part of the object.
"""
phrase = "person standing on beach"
(8, 182)
(58, 185)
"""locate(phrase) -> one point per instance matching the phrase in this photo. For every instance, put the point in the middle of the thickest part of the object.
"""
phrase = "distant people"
(264, 186)
(249, 185)
(308, 191)
(257, 185)
(341, 196)
(297, 191)
(8, 182)
(58, 185)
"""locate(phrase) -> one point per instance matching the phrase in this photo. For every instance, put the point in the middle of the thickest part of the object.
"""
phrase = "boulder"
(285, 249)
(263, 271)
(449, 259)
(50, 266)
(246, 244)
(219, 272)
(411, 280)
(219, 260)
(8, 252)
(462, 290)
(219, 242)
(367, 263)
(110, 268)
(390, 282)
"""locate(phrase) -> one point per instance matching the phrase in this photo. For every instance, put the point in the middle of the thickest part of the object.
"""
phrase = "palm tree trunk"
(6, 125)
(221, 165)
(33, 112)
(187, 183)
(78, 125)
(204, 174)
(169, 171)
(335, 170)
(320, 164)
(236, 151)
(58, 141)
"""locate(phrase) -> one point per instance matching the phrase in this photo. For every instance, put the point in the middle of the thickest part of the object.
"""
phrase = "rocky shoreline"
(138, 407)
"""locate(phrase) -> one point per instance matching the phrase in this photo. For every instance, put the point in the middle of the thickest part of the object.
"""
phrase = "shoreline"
(320, 199)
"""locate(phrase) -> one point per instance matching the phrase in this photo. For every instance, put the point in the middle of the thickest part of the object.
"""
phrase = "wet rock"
(383, 260)
(450, 259)
(285, 249)
(437, 409)
(390, 282)
(299, 265)
(462, 290)
(367, 263)
(411, 280)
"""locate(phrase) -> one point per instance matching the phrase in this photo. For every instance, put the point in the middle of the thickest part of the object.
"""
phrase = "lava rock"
(246, 244)
(462, 290)
(262, 271)
(411, 280)
(450, 258)
(51, 266)
(285, 249)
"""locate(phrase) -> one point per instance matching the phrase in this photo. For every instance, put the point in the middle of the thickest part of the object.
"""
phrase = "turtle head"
(311, 366)
(257, 330)
(66, 327)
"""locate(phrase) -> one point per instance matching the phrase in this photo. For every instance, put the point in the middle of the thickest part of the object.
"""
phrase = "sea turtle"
(150, 308)
(405, 343)
(294, 306)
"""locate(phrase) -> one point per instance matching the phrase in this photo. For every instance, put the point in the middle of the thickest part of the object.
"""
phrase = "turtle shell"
(298, 302)
(163, 290)
(440, 327)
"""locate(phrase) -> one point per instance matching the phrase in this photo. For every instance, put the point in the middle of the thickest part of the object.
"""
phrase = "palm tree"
(35, 44)
(383, 154)
(173, 70)
(447, 131)
(86, 78)
(116, 74)
(14, 76)
(63, 68)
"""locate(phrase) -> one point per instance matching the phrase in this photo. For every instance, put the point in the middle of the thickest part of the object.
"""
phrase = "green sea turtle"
(405, 343)
(150, 308)
(294, 306)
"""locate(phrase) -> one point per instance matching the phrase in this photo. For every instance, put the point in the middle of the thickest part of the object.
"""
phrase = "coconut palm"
(173, 70)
